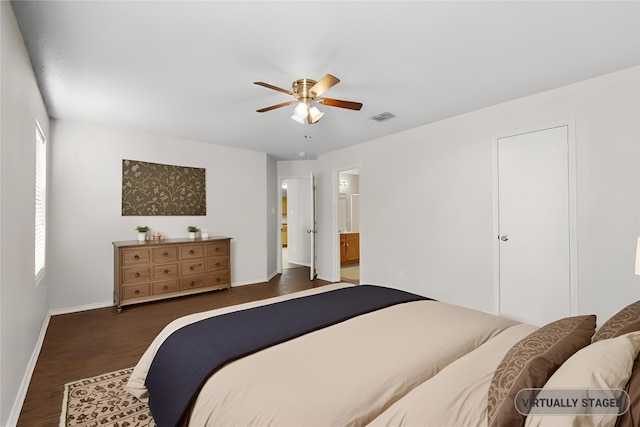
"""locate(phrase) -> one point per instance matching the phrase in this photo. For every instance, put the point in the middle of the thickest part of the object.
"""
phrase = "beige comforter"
(346, 374)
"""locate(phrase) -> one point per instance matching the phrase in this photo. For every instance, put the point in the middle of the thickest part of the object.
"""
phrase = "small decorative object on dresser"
(154, 270)
(192, 229)
(142, 232)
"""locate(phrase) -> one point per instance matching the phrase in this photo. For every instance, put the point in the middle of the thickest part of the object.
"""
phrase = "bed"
(413, 362)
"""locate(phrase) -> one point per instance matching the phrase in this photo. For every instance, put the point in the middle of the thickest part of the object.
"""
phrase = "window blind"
(40, 201)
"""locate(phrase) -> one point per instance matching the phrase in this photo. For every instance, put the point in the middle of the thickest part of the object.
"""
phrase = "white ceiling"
(186, 68)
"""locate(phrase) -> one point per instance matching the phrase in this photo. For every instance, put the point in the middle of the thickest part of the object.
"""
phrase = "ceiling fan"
(306, 91)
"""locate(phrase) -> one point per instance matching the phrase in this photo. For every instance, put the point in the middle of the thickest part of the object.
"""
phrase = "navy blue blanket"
(191, 354)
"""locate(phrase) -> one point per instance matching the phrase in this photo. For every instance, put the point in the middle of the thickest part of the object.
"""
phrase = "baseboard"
(272, 275)
(304, 264)
(248, 282)
(328, 279)
(81, 308)
(31, 366)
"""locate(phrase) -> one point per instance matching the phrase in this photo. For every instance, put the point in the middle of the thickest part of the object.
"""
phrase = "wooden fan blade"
(342, 104)
(273, 107)
(268, 86)
(323, 85)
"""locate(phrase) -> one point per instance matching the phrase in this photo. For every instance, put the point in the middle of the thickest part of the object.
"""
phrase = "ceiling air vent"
(383, 116)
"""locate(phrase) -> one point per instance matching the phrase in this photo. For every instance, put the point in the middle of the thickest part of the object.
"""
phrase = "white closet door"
(533, 199)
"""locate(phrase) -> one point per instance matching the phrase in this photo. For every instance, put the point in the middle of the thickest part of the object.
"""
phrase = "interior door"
(313, 231)
(533, 217)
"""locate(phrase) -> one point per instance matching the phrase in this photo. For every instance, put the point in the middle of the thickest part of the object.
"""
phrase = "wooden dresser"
(150, 271)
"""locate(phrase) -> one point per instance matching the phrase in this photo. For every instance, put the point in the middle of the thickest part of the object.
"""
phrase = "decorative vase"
(192, 235)
(142, 236)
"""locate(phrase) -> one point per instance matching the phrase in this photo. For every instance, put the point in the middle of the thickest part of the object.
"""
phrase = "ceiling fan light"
(298, 119)
(300, 110)
(300, 113)
(315, 114)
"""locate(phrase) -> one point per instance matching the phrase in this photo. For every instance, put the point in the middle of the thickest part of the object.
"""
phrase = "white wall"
(426, 197)
(23, 305)
(85, 203)
(296, 168)
(272, 216)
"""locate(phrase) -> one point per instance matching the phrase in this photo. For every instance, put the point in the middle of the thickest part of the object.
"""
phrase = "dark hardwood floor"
(93, 342)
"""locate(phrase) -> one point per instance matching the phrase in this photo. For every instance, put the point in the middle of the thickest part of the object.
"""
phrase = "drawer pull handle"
(193, 283)
(217, 248)
(165, 287)
(165, 254)
(137, 291)
(193, 267)
(217, 279)
(191, 252)
(136, 257)
(217, 264)
(137, 274)
(166, 271)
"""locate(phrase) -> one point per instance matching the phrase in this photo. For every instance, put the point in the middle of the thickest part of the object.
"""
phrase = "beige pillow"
(605, 364)
(631, 418)
(530, 363)
(625, 321)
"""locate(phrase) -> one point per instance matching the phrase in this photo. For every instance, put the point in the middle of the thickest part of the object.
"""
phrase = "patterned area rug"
(103, 401)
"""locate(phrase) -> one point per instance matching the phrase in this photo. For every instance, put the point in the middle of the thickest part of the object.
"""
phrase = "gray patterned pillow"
(531, 361)
(625, 321)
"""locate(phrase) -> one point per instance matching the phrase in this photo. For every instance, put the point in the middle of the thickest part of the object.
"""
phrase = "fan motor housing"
(301, 88)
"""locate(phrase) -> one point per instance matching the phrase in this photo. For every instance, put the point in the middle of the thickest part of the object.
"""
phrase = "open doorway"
(349, 225)
(294, 223)
(284, 230)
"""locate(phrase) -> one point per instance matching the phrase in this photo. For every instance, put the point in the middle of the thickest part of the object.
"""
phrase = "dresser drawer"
(165, 271)
(192, 267)
(136, 274)
(164, 287)
(217, 279)
(191, 252)
(217, 264)
(166, 254)
(135, 291)
(191, 283)
(217, 248)
(135, 257)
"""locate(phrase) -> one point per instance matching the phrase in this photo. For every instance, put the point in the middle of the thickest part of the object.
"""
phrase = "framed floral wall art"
(157, 189)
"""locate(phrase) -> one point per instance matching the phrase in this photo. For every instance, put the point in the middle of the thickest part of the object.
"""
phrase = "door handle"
(504, 238)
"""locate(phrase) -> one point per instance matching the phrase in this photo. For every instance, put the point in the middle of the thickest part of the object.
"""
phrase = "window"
(41, 192)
